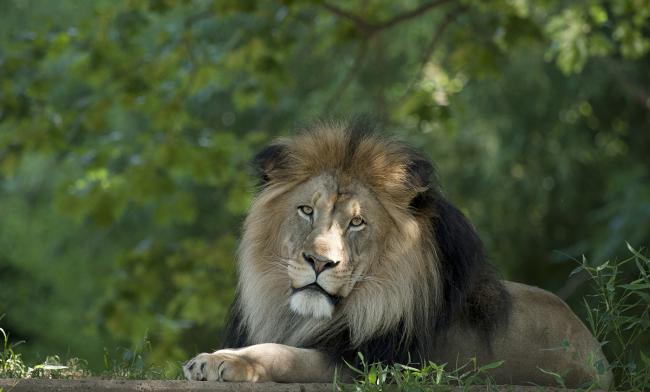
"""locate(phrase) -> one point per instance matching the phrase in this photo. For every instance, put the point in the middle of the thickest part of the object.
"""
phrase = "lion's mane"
(433, 271)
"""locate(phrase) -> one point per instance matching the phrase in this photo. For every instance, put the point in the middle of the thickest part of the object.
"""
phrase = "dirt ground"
(34, 385)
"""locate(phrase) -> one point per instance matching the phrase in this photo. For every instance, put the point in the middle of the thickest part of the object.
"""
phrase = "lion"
(349, 246)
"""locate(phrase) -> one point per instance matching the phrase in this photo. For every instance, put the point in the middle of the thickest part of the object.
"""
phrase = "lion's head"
(348, 237)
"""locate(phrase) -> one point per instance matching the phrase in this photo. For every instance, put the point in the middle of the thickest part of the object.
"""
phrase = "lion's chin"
(311, 303)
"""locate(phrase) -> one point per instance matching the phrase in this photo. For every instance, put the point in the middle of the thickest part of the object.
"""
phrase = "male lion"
(349, 247)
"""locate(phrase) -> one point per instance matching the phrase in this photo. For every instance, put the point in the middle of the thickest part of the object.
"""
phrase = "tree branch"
(192, 19)
(433, 44)
(352, 73)
(411, 14)
(370, 28)
(438, 34)
(361, 23)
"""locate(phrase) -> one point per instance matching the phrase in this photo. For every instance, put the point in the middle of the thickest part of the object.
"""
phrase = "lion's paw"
(223, 365)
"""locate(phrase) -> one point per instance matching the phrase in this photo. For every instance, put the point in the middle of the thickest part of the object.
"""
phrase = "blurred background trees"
(126, 128)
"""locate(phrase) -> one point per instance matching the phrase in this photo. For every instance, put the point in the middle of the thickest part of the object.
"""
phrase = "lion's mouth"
(334, 299)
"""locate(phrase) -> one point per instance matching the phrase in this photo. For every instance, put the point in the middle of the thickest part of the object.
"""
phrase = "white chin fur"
(311, 304)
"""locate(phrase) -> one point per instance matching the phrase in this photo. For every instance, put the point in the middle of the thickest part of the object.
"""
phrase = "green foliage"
(126, 128)
(619, 316)
(121, 363)
(13, 366)
(133, 364)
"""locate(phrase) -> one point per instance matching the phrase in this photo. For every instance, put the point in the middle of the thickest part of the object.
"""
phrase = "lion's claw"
(199, 368)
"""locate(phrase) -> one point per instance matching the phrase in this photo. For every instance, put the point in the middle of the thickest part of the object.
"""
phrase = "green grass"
(379, 377)
(617, 312)
(121, 363)
(133, 364)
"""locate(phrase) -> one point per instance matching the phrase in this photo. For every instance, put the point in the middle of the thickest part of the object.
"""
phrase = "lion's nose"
(319, 264)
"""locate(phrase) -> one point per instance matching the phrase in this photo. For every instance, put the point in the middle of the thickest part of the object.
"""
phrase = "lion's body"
(542, 333)
(349, 247)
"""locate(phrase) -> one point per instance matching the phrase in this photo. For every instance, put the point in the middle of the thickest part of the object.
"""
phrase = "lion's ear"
(420, 173)
(268, 162)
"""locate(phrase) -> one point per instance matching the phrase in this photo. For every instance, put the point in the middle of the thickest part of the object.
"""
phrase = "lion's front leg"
(260, 363)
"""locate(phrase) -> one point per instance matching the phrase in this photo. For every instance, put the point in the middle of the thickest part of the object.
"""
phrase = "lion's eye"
(357, 221)
(307, 210)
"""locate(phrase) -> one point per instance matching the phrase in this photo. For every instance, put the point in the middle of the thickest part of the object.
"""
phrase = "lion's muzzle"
(319, 263)
(334, 299)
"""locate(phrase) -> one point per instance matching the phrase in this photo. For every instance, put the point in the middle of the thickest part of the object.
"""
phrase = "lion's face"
(331, 235)
(340, 233)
